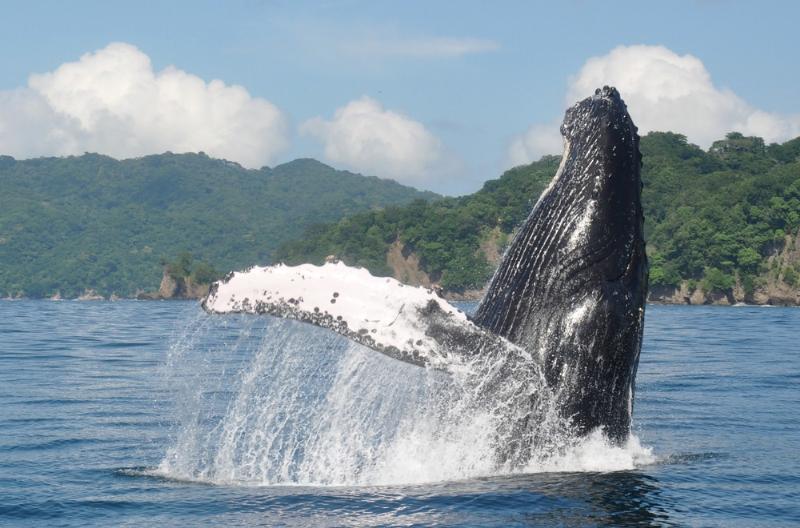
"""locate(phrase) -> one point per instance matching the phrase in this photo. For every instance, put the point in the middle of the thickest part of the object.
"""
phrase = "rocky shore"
(179, 288)
(777, 286)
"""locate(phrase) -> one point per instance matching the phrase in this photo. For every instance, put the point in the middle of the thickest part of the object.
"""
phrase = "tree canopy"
(709, 216)
(93, 222)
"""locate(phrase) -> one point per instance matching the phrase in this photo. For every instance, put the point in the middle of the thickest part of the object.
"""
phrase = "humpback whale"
(566, 305)
(573, 284)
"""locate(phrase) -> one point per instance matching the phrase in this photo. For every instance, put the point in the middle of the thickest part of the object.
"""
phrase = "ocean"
(155, 414)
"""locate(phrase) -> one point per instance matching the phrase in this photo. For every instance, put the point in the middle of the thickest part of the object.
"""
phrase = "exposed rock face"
(698, 296)
(175, 288)
(776, 287)
(739, 294)
(492, 246)
(405, 266)
(721, 298)
(782, 264)
(91, 295)
(667, 295)
(169, 287)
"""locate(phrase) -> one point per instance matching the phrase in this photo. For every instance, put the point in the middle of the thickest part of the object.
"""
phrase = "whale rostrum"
(565, 306)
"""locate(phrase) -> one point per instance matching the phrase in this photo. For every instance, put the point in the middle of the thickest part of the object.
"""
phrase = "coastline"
(448, 297)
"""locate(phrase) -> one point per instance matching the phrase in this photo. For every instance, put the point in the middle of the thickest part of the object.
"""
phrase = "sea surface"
(155, 414)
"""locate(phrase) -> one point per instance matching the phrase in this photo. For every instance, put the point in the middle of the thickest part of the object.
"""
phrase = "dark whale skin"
(571, 288)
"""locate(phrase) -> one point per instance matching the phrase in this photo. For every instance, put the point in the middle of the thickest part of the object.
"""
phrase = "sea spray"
(262, 401)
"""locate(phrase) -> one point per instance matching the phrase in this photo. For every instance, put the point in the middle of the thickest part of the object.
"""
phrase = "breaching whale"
(566, 303)
(573, 284)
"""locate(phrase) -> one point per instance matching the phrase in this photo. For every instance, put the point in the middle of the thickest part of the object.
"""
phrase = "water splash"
(274, 402)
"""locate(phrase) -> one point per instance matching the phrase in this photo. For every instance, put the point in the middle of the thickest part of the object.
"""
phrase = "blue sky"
(440, 95)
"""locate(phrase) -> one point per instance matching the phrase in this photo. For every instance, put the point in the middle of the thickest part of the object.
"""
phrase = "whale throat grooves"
(571, 288)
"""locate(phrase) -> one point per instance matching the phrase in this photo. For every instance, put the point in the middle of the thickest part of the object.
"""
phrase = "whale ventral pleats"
(572, 286)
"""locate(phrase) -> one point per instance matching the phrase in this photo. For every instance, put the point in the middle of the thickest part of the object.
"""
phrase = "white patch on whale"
(581, 230)
(574, 318)
(380, 312)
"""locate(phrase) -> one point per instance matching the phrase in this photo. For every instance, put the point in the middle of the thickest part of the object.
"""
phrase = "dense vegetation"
(92, 222)
(185, 267)
(713, 215)
(445, 234)
(710, 216)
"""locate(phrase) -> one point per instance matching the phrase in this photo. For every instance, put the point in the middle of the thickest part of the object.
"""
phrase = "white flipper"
(412, 324)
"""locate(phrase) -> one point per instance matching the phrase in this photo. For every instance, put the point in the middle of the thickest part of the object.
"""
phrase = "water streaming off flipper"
(263, 401)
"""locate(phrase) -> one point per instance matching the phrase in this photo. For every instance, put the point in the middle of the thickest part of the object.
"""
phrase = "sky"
(438, 95)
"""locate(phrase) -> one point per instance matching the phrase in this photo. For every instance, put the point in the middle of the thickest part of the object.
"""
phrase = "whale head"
(598, 186)
(571, 288)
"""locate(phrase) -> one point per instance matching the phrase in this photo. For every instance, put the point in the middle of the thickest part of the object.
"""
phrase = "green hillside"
(711, 216)
(445, 234)
(93, 222)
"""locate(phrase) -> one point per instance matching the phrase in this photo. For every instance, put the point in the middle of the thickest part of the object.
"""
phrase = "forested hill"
(91, 222)
(724, 220)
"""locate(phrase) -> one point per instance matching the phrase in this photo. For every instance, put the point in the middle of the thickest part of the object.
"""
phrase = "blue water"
(94, 395)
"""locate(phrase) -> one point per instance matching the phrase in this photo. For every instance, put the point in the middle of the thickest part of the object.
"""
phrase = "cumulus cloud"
(366, 137)
(664, 91)
(538, 140)
(112, 101)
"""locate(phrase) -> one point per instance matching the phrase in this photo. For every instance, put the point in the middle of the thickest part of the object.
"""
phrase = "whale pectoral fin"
(412, 324)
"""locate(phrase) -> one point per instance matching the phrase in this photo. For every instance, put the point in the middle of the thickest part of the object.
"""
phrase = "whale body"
(573, 284)
(565, 306)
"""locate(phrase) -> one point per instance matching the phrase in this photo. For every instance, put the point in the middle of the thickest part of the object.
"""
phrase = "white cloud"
(417, 47)
(664, 91)
(113, 102)
(538, 140)
(368, 138)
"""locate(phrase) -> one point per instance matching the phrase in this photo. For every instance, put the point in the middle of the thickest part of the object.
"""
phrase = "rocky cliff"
(172, 287)
(779, 285)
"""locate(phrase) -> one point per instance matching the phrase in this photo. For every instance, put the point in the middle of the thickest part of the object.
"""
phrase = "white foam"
(580, 231)
(594, 453)
(310, 408)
